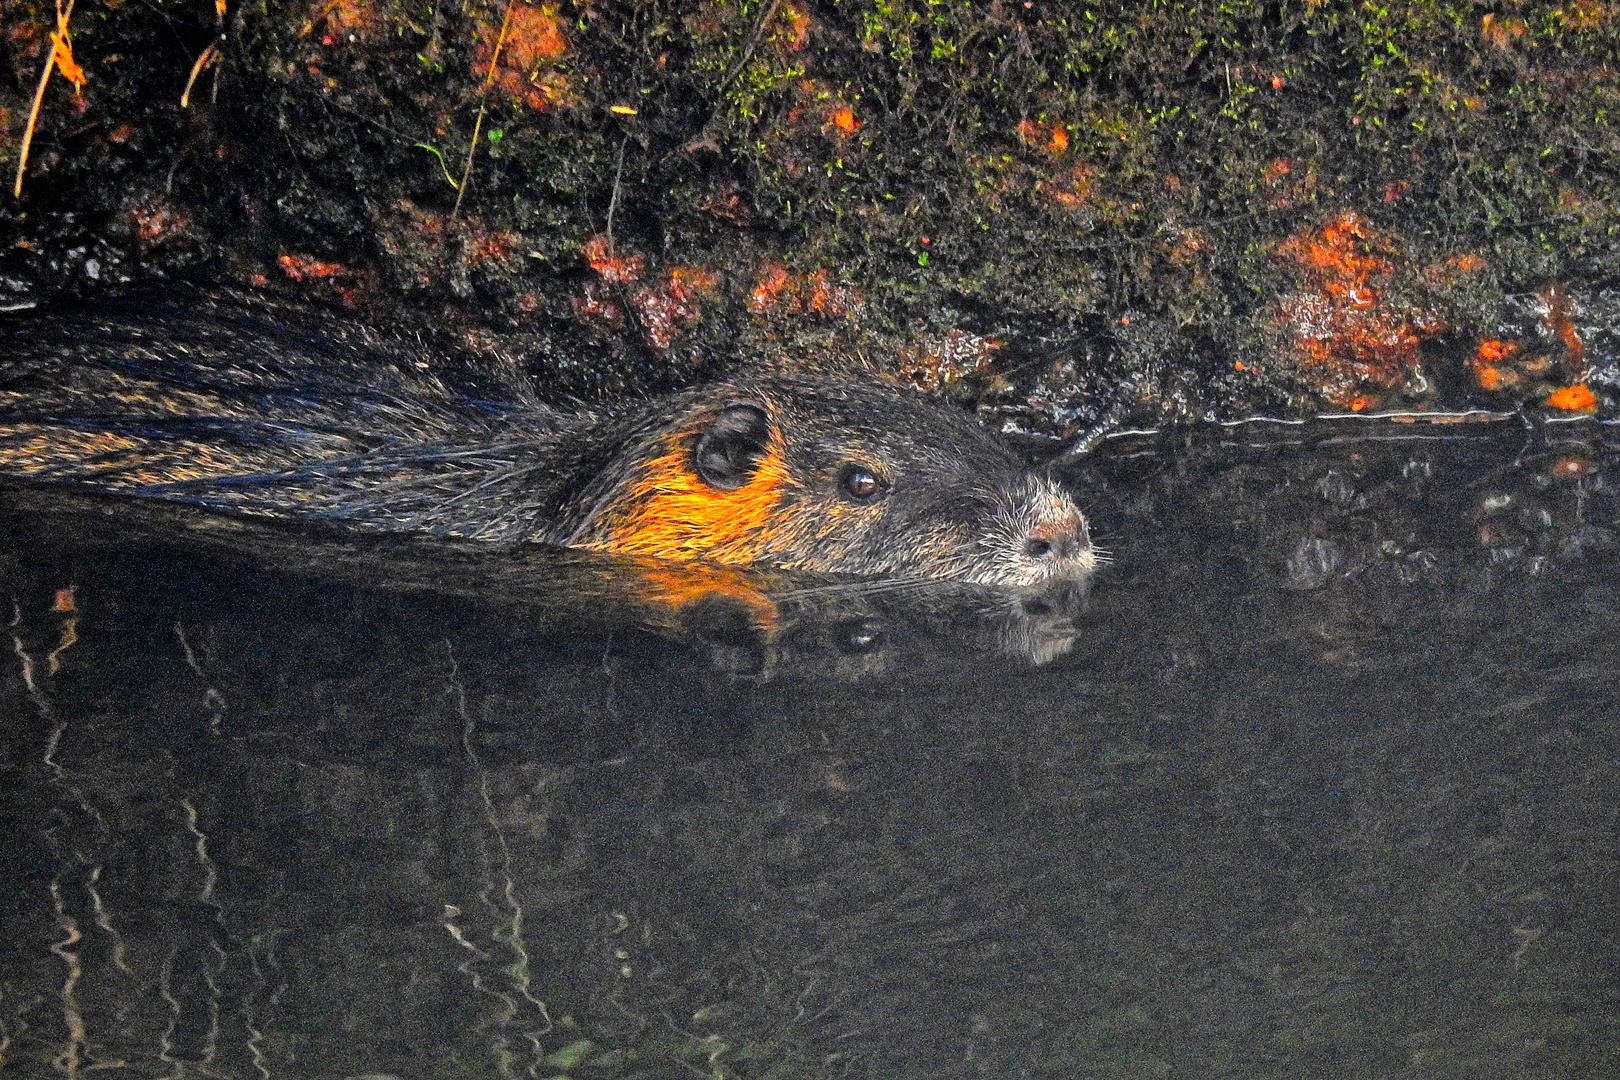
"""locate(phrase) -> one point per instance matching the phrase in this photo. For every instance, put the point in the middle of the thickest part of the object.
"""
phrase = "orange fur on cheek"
(670, 513)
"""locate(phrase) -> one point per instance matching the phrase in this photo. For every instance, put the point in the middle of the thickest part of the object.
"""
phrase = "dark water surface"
(1326, 787)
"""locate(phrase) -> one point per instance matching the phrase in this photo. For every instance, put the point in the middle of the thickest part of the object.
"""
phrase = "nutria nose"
(1051, 540)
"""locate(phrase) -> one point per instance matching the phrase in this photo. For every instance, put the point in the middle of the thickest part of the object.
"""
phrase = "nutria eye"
(860, 484)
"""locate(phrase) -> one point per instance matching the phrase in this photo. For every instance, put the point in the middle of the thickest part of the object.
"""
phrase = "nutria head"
(838, 472)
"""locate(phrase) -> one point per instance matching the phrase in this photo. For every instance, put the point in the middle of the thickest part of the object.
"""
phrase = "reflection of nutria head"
(846, 472)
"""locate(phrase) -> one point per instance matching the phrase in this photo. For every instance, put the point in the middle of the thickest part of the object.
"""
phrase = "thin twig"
(57, 40)
(748, 49)
(483, 104)
(636, 332)
(466, 168)
(613, 200)
(219, 53)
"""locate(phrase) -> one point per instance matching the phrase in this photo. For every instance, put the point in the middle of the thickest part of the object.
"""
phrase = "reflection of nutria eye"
(860, 484)
(859, 636)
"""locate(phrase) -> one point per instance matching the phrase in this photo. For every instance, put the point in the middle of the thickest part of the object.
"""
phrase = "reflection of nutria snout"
(269, 409)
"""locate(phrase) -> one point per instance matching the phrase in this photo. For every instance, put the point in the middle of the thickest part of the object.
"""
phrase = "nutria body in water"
(260, 407)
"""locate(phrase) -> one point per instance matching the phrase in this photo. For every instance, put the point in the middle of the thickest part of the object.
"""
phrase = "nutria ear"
(730, 449)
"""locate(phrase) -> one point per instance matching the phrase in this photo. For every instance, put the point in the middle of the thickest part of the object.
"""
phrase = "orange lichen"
(774, 282)
(814, 104)
(1501, 33)
(416, 239)
(1341, 255)
(1347, 324)
(618, 269)
(340, 20)
(1487, 361)
(779, 292)
(1558, 320)
(157, 222)
(1077, 193)
(64, 600)
(664, 310)
(1453, 269)
(1187, 246)
(304, 267)
(484, 246)
(690, 282)
(822, 297)
(1288, 180)
(792, 31)
(670, 513)
(347, 282)
(1053, 140)
(1511, 366)
(1581, 204)
(1577, 398)
(526, 59)
(669, 309)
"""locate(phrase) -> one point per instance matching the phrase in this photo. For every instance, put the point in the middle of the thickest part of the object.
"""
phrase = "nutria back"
(236, 403)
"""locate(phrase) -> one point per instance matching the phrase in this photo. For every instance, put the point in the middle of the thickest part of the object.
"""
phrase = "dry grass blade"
(209, 56)
(59, 58)
(483, 103)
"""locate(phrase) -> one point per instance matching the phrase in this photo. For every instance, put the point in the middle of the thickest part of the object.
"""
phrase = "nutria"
(246, 404)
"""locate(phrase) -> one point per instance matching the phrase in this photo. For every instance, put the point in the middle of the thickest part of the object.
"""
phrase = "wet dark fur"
(243, 404)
